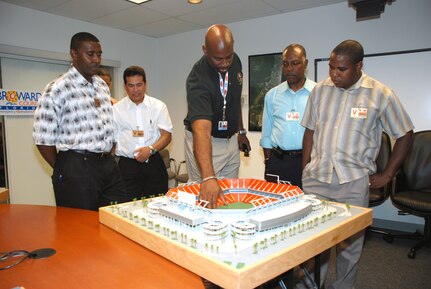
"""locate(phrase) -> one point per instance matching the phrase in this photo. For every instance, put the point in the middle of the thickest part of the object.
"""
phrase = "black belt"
(135, 160)
(92, 154)
(278, 152)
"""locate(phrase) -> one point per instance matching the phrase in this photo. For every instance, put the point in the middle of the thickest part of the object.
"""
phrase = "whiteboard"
(406, 72)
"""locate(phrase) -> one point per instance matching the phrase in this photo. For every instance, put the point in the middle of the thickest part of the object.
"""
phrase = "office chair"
(181, 177)
(379, 196)
(164, 153)
(412, 192)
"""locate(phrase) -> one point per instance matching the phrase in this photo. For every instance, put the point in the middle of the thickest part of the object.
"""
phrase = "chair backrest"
(415, 173)
(378, 196)
(181, 177)
(164, 153)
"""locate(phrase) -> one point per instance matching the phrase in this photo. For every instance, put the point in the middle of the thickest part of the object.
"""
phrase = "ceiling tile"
(164, 28)
(159, 18)
(237, 11)
(182, 7)
(130, 17)
(37, 4)
(293, 5)
(88, 10)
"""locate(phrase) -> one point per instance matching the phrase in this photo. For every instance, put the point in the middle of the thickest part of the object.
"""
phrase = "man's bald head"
(218, 47)
(218, 36)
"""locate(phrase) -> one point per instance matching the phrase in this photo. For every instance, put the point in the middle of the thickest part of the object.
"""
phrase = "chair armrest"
(179, 167)
(173, 167)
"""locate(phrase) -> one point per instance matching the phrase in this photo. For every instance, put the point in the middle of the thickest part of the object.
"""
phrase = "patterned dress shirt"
(73, 114)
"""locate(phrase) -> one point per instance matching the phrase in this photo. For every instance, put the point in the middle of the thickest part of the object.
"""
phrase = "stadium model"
(270, 205)
(266, 230)
(259, 216)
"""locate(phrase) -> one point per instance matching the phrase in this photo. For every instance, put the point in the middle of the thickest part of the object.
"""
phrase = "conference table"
(88, 254)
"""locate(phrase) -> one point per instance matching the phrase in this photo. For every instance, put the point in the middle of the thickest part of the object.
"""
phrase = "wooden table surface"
(89, 254)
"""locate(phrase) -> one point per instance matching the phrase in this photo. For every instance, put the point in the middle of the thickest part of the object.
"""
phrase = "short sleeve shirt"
(347, 125)
(205, 100)
(282, 114)
(149, 117)
(74, 114)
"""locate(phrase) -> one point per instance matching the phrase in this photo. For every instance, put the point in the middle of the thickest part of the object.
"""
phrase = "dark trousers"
(144, 179)
(86, 181)
(288, 168)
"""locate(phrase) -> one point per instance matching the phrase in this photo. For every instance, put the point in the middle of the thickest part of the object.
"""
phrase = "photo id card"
(222, 125)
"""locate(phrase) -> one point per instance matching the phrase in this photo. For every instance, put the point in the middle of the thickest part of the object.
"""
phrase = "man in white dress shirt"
(143, 127)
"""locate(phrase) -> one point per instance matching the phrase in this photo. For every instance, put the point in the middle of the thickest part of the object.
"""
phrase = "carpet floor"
(386, 266)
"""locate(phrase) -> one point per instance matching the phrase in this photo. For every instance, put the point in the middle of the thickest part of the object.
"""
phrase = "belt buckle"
(104, 154)
(277, 152)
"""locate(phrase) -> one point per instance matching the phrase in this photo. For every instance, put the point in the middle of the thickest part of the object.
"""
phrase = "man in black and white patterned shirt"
(73, 130)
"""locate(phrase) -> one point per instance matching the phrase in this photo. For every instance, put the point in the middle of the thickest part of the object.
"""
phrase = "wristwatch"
(152, 150)
(242, 132)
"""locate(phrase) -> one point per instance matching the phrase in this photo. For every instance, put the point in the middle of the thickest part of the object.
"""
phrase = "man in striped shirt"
(344, 119)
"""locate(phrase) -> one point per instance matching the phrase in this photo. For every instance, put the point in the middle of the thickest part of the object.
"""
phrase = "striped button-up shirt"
(347, 125)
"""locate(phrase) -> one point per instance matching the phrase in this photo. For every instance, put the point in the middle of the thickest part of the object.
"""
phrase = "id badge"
(292, 116)
(222, 125)
(137, 133)
(358, 112)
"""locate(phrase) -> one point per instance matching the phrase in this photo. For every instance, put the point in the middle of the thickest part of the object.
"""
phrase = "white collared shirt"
(149, 116)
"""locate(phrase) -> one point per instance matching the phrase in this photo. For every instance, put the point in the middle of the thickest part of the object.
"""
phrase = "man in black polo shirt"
(214, 115)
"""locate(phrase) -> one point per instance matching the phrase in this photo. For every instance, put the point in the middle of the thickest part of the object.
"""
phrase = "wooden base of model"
(251, 275)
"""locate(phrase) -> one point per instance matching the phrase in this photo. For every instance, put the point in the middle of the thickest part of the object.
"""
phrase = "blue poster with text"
(18, 101)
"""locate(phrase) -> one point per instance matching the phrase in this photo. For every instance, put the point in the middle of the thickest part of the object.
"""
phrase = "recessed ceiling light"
(194, 1)
(138, 1)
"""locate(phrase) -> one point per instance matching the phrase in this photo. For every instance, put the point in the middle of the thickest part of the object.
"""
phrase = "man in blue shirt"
(284, 107)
